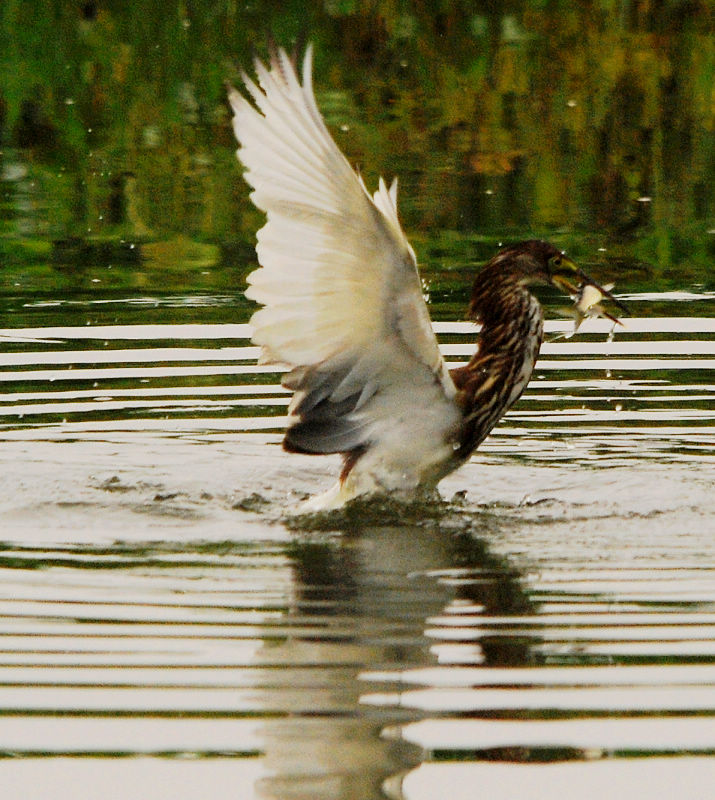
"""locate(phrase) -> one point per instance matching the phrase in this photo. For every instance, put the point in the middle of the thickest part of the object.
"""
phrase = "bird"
(343, 312)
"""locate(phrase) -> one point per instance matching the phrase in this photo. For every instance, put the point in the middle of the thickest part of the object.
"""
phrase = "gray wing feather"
(324, 419)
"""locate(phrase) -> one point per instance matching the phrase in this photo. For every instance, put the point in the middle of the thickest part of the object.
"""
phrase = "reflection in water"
(486, 584)
(366, 591)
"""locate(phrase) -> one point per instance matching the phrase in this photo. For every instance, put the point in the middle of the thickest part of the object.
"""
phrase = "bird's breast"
(499, 372)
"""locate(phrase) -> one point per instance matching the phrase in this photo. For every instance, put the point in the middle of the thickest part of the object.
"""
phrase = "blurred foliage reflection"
(588, 122)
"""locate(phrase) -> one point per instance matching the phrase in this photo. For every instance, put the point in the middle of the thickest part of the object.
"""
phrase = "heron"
(343, 311)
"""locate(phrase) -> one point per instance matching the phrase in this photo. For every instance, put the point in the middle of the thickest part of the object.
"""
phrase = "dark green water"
(589, 123)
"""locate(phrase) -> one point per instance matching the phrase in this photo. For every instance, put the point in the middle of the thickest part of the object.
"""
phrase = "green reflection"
(590, 123)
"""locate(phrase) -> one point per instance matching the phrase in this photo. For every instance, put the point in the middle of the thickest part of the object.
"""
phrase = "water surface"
(167, 626)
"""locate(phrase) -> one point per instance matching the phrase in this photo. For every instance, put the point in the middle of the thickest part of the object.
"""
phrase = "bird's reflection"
(363, 594)
(324, 577)
(492, 585)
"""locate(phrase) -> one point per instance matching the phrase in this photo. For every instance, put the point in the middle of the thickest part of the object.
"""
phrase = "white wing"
(338, 280)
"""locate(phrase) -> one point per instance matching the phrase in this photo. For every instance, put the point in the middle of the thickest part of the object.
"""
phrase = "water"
(167, 626)
(167, 629)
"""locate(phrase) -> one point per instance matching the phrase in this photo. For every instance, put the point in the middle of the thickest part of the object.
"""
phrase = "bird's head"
(535, 261)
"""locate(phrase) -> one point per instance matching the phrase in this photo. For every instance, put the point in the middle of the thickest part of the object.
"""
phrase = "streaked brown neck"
(512, 328)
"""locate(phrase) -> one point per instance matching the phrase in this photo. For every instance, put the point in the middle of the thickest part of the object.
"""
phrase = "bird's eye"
(555, 262)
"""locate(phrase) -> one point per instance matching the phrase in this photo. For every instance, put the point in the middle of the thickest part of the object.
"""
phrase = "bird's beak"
(561, 282)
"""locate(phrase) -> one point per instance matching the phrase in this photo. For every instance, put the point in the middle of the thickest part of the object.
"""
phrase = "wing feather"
(338, 281)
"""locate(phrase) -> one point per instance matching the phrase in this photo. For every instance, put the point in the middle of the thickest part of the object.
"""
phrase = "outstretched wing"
(338, 280)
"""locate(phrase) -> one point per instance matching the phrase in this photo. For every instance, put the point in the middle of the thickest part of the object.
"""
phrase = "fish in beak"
(586, 294)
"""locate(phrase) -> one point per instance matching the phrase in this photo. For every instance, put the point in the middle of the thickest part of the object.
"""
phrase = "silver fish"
(587, 299)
